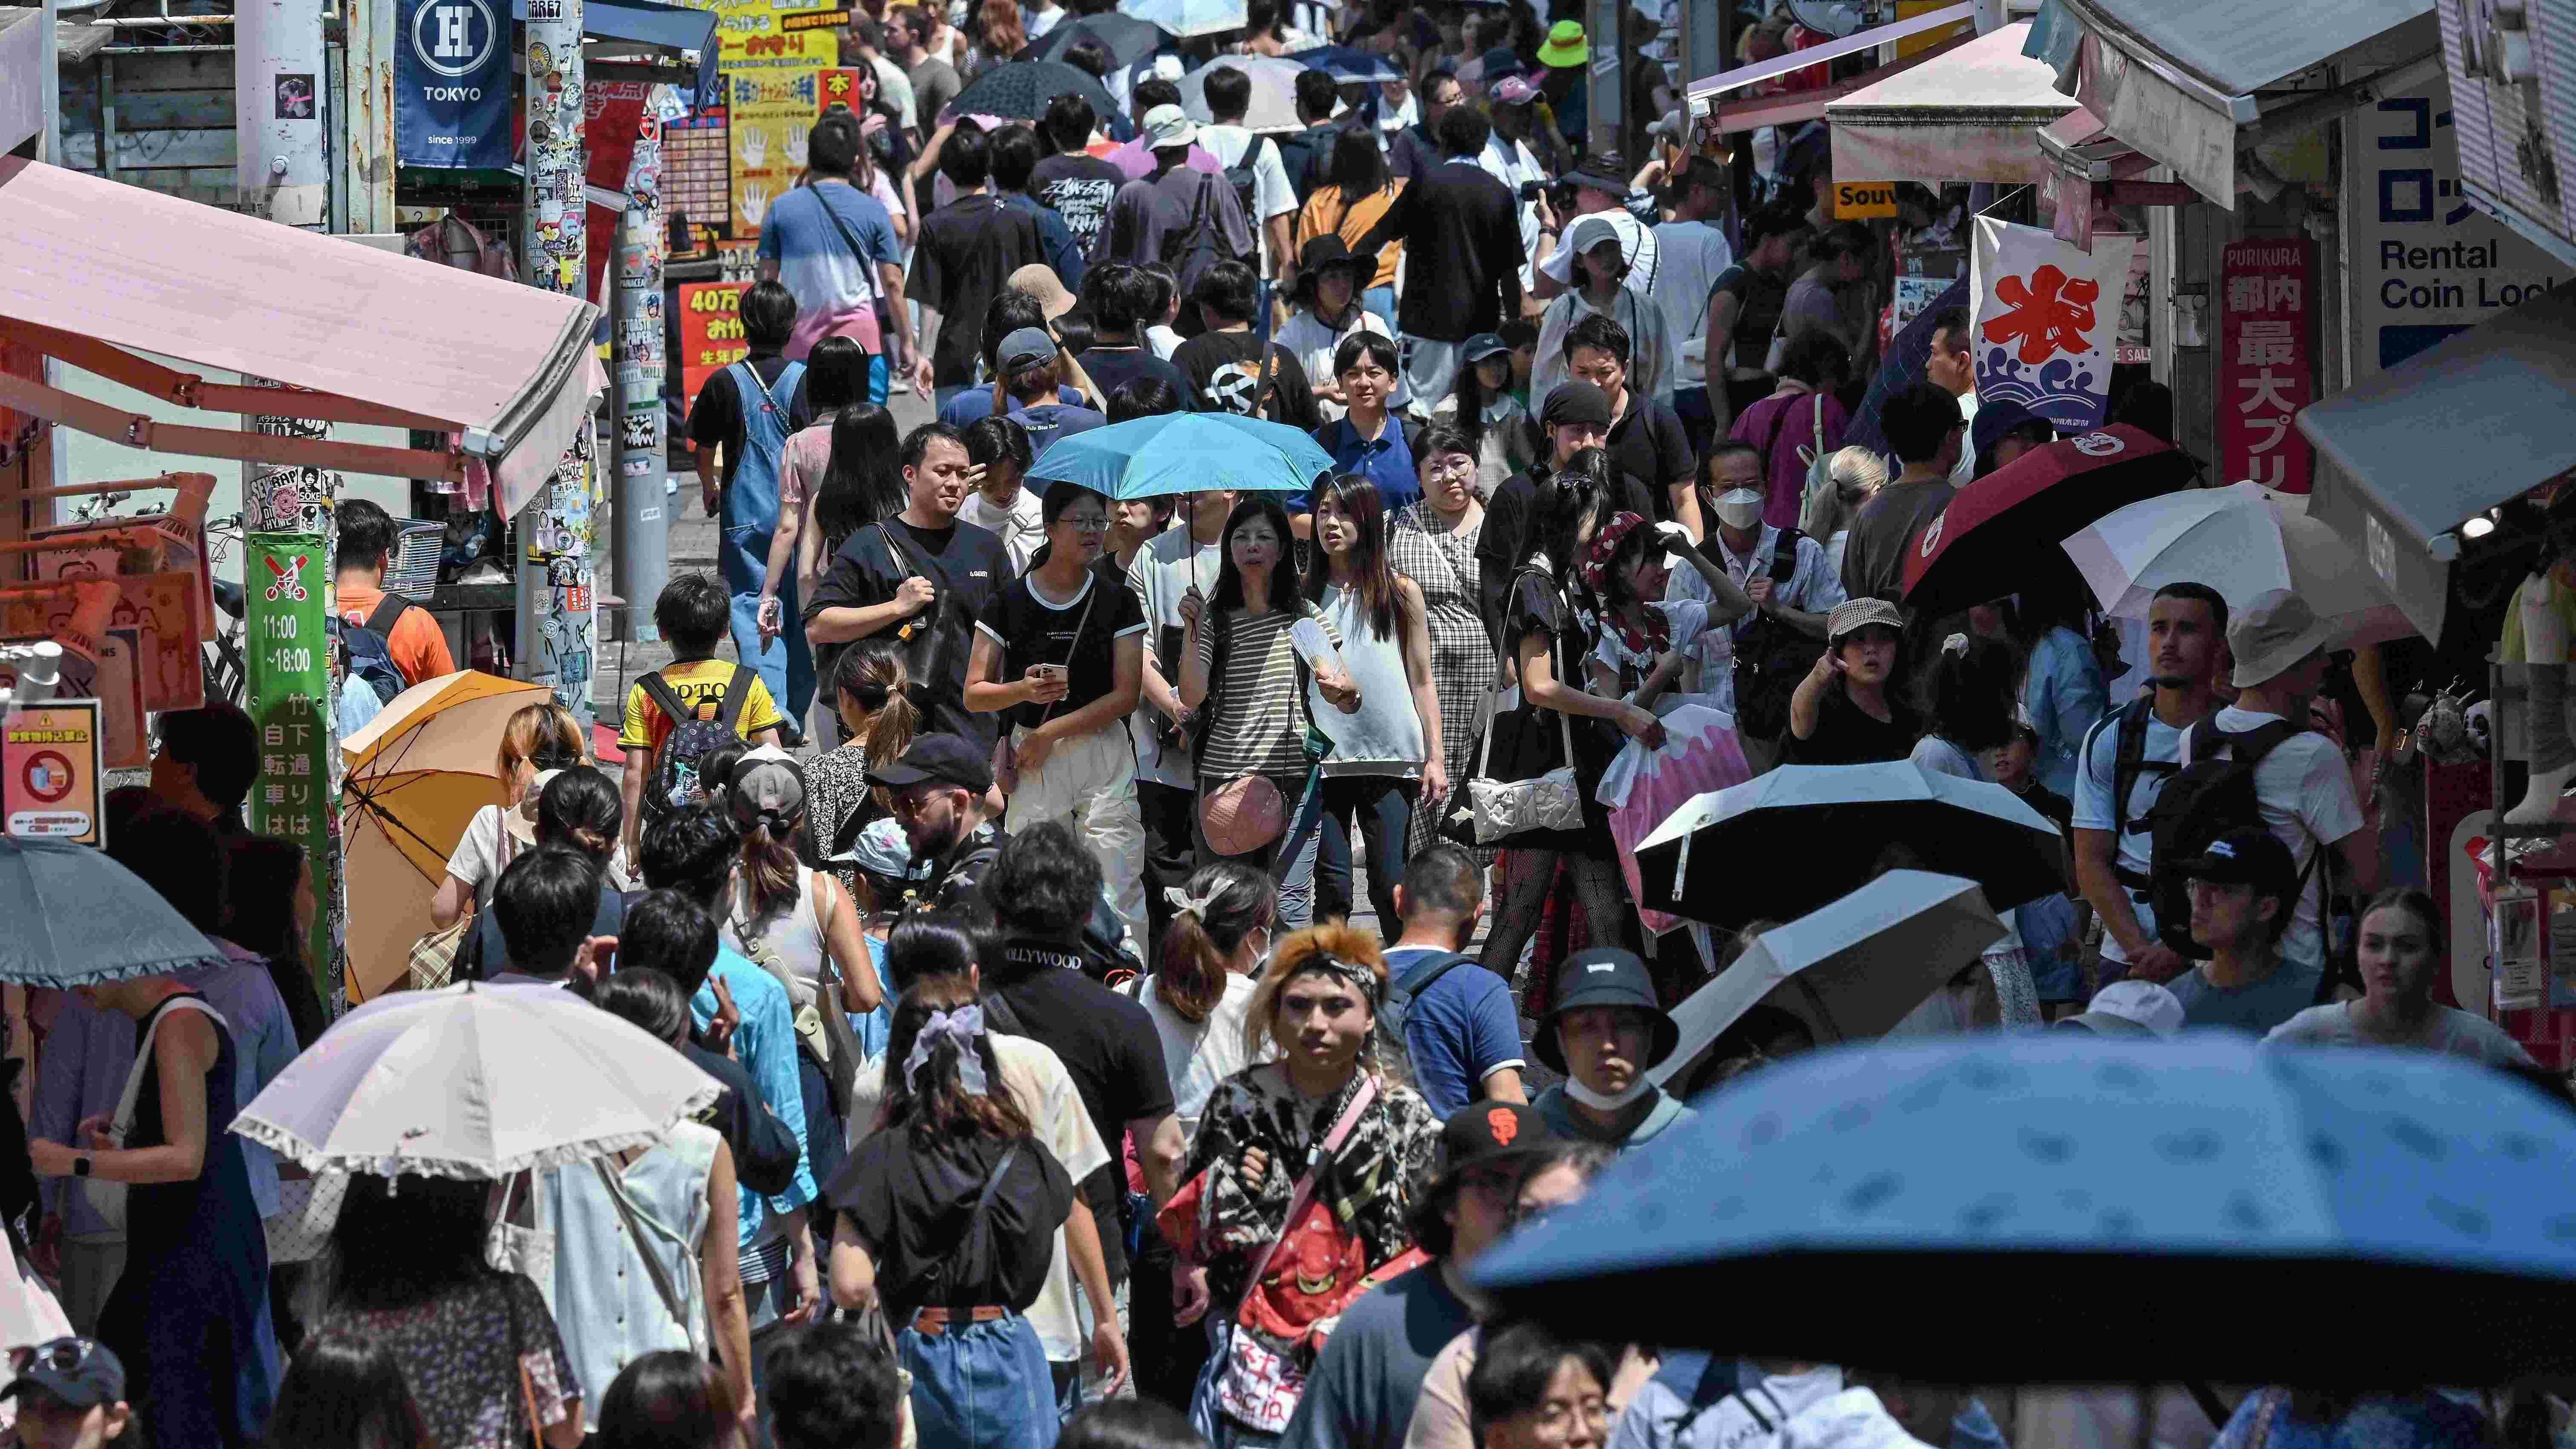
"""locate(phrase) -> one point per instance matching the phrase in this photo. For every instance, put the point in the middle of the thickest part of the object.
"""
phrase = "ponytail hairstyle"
(769, 843)
(871, 673)
(580, 809)
(545, 736)
(1226, 902)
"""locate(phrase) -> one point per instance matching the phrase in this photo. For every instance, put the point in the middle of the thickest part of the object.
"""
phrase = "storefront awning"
(2175, 78)
(679, 33)
(1970, 115)
(2444, 436)
(93, 272)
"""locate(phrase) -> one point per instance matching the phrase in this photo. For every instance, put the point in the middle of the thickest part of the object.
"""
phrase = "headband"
(1355, 972)
(965, 1027)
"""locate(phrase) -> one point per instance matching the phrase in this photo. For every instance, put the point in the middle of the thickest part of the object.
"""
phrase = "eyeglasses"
(62, 1355)
(1085, 523)
(1453, 466)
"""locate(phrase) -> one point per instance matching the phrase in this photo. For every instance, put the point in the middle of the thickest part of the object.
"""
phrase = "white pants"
(1090, 784)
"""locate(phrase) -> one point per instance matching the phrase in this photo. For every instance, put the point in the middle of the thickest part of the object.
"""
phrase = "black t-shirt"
(1224, 369)
(1760, 296)
(967, 251)
(967, 567)
(1505, 541)
(1113, 367)
(1846, 734)
(913, 1202)
(1535, 744)
(764, 1151)
(1078, 188)
(1308, 154)
(1032, 631)
(1648, 444)
(715, 419)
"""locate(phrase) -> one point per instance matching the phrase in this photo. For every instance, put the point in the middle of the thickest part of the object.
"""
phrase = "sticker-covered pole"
(642, 557)
(551, 546)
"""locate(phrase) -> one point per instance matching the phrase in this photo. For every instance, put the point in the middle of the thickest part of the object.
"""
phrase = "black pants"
(1382, 807)
(1169, 836)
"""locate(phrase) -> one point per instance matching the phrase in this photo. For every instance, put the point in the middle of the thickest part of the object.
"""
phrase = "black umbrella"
(1019, 90)
(1128, 38)
(1803, 836)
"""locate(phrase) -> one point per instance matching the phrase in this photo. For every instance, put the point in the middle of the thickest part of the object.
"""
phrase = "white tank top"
(1385, 736)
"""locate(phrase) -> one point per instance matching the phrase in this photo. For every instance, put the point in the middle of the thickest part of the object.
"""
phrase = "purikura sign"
(2047, 320)
(2266, 369)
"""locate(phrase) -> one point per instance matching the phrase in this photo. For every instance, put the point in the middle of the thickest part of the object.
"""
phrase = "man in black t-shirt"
(1224, 362)
(1077, 185)
(1744, 306)
(1308, 154)
(1646, 437)
(968, 249)
(922, 576)
(1576, 416)
(1126, 298)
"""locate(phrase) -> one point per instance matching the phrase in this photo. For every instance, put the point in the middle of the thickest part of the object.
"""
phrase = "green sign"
(289, 699)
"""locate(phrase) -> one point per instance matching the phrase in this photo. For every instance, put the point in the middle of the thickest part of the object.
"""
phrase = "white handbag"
(1501, 809)
(107, 1198)
(511, 1248)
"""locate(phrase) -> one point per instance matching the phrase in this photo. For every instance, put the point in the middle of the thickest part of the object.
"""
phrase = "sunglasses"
(62, 1355)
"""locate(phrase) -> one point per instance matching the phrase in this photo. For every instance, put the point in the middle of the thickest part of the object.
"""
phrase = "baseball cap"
(2129, 1008)
(1604, 976)
(81, 1372)
(1512, 90)
(1168, 125)
(1482, 1134)
(2248, 855)
(1592, 230)
(2273, 634)
(940, 759)
(1025, 347)
(882, 850)
(1853, 614)
(1576, 401)
(768, 782)
(1482, 346)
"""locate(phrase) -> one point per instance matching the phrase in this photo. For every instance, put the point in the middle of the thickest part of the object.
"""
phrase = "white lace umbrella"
(474, 1081)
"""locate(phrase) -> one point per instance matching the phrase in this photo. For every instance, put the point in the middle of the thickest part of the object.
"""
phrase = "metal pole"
(283, 174)
(643, 541)
(557, 613)
(367, 152)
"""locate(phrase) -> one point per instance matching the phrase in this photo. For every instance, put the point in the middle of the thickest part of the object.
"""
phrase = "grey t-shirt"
(2460, 1033)
(2257, 1008)
(1362, 1391)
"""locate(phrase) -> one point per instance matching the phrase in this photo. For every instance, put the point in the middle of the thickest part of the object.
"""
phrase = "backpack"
(1771, 657)
(1402, 991)
(369, 648)
(1199, 243)
(673, 784)
(1245, 177)
(2204, 800)
(2129, 761)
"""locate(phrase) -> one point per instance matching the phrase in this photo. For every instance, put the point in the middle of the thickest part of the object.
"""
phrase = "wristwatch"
(80, 1166)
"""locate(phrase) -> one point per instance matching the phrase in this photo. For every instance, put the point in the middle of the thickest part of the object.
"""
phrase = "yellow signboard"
(1859, 200)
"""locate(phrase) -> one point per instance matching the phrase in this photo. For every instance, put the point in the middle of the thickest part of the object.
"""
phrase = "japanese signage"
(2266, 372)
(289, 700)
(771, 113)
(452, 84)
(2046, 316)
(2422, 264)
(52, 760)
(710, 333)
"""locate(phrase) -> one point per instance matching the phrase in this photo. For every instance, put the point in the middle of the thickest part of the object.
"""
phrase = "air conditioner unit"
(2513, 102)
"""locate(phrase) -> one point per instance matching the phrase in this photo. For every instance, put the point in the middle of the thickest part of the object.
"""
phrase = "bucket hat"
(1605, 976)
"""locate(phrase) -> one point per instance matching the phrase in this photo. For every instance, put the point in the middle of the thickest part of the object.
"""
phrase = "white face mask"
(1608, 1102)
(1739, 507)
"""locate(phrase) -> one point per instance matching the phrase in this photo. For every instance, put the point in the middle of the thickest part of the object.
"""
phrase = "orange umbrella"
(417, 773)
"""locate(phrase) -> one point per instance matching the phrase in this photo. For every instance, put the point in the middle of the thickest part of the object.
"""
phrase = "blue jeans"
(981, 1386)
(1380, 301)
(1383, 806)
(786, 665)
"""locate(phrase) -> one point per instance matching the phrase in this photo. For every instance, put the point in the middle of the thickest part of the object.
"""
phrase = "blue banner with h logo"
(452, 84)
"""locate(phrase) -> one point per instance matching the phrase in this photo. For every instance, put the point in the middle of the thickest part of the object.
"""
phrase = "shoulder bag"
(645, 1228)
(509, 1247)
(437, 956)
(1245, 1380)
(1495, 810)
(107, 1198)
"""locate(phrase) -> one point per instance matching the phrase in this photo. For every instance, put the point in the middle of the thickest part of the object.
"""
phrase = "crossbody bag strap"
(644, 1227)
(127, 1100)
(1305, 1192)
(1075, 647)
(847, 235)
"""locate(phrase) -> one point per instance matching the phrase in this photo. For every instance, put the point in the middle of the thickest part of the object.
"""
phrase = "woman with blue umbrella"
(1185, 453)
(189, 1315)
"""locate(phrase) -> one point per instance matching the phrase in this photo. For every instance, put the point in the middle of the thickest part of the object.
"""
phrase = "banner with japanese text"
(2266, 366)
(289, 700)
(2046, 321)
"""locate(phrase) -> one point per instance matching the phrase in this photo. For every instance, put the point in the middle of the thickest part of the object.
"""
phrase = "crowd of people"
(1011, 876)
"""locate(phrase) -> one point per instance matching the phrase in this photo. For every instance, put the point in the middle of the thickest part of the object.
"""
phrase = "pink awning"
(508, 366)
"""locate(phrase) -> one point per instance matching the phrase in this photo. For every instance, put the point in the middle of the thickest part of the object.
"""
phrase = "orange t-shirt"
(418, 645)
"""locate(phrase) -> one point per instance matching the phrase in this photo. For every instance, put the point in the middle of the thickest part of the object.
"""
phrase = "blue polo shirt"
(1386, 460)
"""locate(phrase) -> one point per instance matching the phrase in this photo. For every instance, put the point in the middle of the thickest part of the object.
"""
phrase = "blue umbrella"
(1347, 63)
(77, 918)
(1185, 453)
(2058, 1207)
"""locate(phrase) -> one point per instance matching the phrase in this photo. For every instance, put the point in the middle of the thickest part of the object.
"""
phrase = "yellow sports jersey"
(698, 683)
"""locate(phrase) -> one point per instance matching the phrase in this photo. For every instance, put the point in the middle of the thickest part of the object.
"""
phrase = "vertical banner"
(2046, 318)
(452, 84)
(2266, 367)
(710, 334)
(289, 700)
(53, 765)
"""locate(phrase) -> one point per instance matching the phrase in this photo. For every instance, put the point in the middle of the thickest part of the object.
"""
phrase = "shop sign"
(289, 701)
(452, 84)
(2266, 368)
(1861, 200)
(710, 334)
(2046, 320)
(53, 760)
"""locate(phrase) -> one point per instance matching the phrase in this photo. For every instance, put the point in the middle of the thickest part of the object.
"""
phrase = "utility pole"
(557, 599)
(642, 560)
(288, 513)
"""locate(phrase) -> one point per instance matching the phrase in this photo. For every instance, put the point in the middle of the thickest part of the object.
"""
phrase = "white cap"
(1168, 125)
(2131, 1008)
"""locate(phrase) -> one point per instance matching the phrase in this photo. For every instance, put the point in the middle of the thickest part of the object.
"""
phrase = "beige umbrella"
(417, 773)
